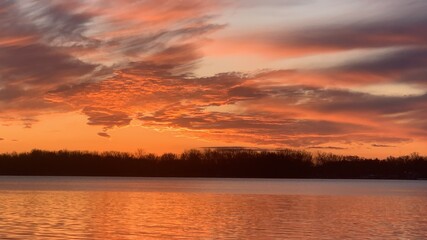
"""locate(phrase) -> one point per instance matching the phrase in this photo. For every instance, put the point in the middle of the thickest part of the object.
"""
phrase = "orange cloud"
(124, 62)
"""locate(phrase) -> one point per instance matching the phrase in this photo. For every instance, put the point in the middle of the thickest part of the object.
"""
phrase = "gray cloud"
(270, 3)
(330, 100)
(40, 65)
(352, 36)
(382, 145)
(104, 134)
(28, 122)
(246, 92)
(8, 93)
(405, 26)
(151, 43)
(32, 56)
(405, 66)
(105, 117)
(326, 147)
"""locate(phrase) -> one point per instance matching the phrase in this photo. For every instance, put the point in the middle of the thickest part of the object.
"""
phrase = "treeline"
(233, 163)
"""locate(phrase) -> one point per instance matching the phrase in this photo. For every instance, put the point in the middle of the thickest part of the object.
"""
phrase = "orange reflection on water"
(99, 213)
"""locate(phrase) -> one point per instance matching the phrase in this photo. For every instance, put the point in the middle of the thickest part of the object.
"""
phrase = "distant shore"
(234, 163)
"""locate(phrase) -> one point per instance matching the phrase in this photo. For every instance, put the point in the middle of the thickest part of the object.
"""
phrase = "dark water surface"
(173, 208)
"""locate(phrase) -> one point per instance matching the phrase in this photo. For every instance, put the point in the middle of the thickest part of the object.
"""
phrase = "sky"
(341, 76)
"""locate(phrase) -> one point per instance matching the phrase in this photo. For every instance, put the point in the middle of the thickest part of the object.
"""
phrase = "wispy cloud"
(104, 134)
(382, 145)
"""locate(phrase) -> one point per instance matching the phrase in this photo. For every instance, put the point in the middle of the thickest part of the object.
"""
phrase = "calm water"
(156, 208)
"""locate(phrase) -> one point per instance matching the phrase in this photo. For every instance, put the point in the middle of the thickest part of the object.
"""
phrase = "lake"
(183, 208)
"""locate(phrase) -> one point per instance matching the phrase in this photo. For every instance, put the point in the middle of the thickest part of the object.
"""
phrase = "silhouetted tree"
(229, 162)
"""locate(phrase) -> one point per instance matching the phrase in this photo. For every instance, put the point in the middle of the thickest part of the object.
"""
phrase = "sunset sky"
(342, 76)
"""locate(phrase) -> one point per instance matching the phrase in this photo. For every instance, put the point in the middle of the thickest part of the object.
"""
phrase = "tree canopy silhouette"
(233, 163)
